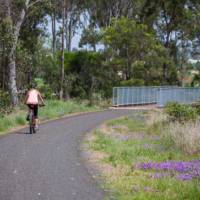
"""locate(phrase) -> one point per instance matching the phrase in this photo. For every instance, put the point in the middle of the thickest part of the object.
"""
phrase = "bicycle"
(31, 118)
(31, 122)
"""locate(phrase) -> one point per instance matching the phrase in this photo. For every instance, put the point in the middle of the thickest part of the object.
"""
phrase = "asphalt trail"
(47, 166)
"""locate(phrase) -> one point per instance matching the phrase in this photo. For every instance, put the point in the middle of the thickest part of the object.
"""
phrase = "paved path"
(47, 166)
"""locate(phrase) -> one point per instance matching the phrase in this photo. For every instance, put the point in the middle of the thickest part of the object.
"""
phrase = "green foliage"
(180, 112)
(86, 75)
(6, 36)
(90, 36)
(5, 105)
(196, 81)
(132, 82)
(136, 52)
(44, 88)
(197, 107)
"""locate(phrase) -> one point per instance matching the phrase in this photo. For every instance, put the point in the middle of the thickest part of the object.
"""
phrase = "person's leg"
(36, 116)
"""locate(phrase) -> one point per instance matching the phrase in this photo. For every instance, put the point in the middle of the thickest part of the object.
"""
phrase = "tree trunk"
(3, 64)
(69, 42)
(165, 67)
(63, 51)
(11, 56)
(91, 91)
(12, 80)
(94, 47)
(54, 33)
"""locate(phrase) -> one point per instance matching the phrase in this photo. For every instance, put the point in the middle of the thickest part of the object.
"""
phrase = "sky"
(75, 39)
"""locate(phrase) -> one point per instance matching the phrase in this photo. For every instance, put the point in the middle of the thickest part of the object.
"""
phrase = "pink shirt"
(32, 97)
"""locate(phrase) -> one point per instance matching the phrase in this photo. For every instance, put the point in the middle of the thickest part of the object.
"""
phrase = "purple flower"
(187, 170)
(159, 175)
(185, 177)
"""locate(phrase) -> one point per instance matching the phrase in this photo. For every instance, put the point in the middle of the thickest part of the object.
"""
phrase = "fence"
(123, 96)
(178, 94)
(134, 95)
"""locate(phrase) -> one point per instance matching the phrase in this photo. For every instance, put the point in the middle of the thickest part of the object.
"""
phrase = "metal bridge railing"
(123, 96)
(134, 95)
(178, 94)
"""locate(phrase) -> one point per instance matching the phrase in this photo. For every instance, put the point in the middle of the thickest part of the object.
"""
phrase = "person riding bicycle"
(32, 100)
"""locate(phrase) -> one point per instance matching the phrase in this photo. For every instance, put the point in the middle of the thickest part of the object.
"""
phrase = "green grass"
(132, 123)
(58, 108)
(53, 109)
(137, 184)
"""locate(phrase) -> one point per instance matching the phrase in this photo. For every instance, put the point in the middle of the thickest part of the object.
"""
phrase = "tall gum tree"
(15, 13)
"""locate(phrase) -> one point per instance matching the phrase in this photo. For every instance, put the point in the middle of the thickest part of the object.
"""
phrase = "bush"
(180, 112)
(44, 88)
(197, 107)
(132, 82)
(5, 105)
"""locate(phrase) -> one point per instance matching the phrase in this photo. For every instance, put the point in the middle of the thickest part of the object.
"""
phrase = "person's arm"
(40, 98)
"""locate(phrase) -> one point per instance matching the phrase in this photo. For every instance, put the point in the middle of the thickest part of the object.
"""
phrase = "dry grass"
(156, 122)
(186, 136)
(155, 117)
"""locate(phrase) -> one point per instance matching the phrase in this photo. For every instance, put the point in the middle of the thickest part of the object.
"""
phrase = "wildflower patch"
(182, 170)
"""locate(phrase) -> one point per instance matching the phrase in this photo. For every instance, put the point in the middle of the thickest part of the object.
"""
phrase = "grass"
(186, 136)
(127, 181)
(53, 109)
(58, 108)
(137, 126)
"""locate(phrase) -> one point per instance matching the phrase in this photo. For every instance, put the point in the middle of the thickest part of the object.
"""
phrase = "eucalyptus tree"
(90, 36)
(133, 49)
(13, 15)
(74, 10)
(102, 12)
(177, 26)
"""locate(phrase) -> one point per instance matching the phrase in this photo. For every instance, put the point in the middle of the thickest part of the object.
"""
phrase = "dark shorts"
(34, 108)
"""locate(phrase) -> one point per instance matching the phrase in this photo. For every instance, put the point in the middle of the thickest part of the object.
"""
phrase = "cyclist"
(32, 100)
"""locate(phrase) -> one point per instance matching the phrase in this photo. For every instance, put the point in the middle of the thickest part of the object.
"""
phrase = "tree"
(90, 36)
(14, 13)
(74, 10)
(175, 22)
(133, 48)
(103, 11)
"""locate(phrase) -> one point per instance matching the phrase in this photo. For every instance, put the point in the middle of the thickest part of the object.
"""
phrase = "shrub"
(181, 113)
(131, 82)
(197, 107)
(5, 106)
(44, 88)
